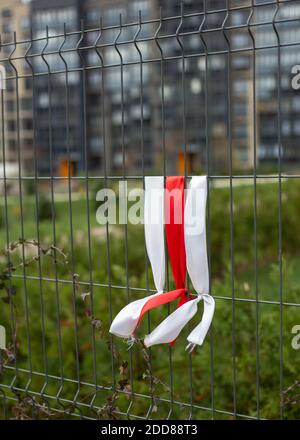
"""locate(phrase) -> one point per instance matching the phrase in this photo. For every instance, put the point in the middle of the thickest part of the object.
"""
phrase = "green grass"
(211, 370)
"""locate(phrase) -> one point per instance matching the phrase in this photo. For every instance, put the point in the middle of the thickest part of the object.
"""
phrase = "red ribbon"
(174, 211)
(174, 215)
(161, 299)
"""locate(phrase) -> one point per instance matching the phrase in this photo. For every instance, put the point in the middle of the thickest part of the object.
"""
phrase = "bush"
(44, 208)
(1, 217)
(267, 311)
(30, 186)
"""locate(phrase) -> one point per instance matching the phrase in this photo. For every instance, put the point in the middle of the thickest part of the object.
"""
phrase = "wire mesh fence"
(201, 91)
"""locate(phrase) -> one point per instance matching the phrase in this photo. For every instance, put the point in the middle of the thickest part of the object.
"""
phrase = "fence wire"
(55, 67)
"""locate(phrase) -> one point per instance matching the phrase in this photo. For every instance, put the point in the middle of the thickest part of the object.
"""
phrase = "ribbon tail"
(127, 319)
(184, 299)
(197, 336)
(168, 330)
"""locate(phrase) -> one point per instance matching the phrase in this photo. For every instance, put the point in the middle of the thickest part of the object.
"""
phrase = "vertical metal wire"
(86, 170)
(124, 195)
(206, 115)
(21, 210)
(183, 98)
(279, 140)
(184, 131)
(37, 208)
(4, 403)
(13, 322)
(68, 144)
(163, 141)
(143, 183)
(105, 171)
(257, 372)
(53, 210)
(230, 145)
(162, 90)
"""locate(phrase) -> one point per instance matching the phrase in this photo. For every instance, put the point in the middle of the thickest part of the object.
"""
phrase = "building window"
(240, 40)
(11, 144)
(28, 83)
(237, 18)
(112, 16)
(93, 15)
(296, 103)
(25, 23)
(10, 85)
(140, 5)
(286, 128)
(11, 125)
(196, 86)
(240, 87)
(243, 155)
(6, 13)
(240, 109)
(26, 104)
(241, 131)
(10, 106)
(27, 124)
(7, 27)
(267, 83)
(296, 128)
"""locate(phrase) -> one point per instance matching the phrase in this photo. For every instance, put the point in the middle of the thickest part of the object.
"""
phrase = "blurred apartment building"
(273, 68)
(81, 128)
(255, 75)
(195, 95)
(16, 99)
(123, 97)
(58, 86)
(122, 118)
(168, 96)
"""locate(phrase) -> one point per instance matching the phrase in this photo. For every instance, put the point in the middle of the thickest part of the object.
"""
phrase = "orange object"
(64, 168)
(180, 163)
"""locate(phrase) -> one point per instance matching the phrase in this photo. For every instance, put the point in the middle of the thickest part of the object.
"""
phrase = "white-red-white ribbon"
(197, 266)
(187, 248)
(128, 319)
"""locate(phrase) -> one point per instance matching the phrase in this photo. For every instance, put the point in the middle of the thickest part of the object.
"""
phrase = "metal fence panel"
(57, 68)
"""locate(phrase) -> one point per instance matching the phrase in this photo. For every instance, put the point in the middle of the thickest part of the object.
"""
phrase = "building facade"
(169, 112)
(57, 86)
(16, 98)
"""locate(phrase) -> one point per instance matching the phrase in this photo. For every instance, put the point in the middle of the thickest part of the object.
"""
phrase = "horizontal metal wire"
(159, 20)
(140, 289)
(248, 177)
(80, 404)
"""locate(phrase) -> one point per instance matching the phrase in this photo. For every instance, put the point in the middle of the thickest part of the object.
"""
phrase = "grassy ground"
(62, 346)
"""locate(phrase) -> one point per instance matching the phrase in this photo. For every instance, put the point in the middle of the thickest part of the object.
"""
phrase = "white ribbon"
(169, 328)
(126, 320)
(154, 228)
(196, 256)
(197, 266)
(197, 336)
